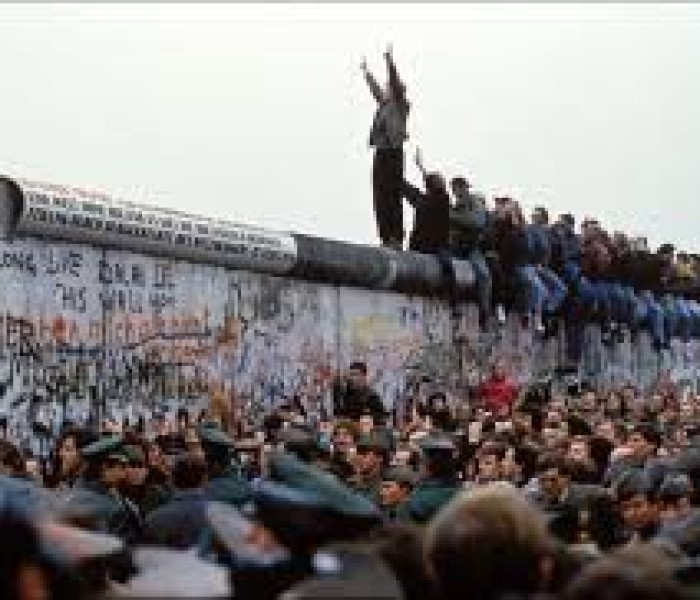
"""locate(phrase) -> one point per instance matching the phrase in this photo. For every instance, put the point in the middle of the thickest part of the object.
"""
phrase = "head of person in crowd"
(675, 498)
(488, 543)
(642, 442)
(365, 424)
(461, 190)
(372, 456)
(515, 215)
(639, 572)
(435, 184)
(357, 373)
(555, 430)
(523, 423)
(540, 216)
(66, 461)
(189, 472)
(636, 502)
(193, 444)
(106, 463)
(158, 470)
(582, 466)
(554, 473)
(397, 484)
(502, 207)
(566, 222)
(136, 469)
(488, 462)
(11, 460)
(344, 435)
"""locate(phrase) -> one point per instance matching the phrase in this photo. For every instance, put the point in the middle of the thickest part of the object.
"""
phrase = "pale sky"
(260, 113)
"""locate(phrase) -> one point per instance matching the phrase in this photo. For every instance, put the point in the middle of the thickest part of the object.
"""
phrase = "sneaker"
(500, 315)
(539, 326)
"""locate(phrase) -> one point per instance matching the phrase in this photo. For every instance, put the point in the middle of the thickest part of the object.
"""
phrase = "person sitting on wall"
(431, 224)
(469, 223)
(353, 397)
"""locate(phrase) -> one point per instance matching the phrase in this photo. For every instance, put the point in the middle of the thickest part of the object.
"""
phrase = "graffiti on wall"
(82, 327)
(87, 331)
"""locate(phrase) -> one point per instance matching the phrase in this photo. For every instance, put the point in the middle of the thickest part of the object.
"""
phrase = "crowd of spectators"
(520, 492)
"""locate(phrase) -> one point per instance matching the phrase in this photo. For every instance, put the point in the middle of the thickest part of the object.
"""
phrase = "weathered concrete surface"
(86, 327)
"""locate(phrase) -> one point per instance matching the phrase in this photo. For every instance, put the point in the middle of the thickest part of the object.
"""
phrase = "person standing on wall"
(387, 136)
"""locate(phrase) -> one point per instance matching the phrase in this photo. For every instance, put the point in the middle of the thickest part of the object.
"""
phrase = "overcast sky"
(260, 112)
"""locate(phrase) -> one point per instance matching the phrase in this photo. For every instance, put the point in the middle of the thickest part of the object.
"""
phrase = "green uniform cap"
(108, 447)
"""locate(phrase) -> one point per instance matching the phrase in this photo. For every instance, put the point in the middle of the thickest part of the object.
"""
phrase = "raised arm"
(374, 87)
(398, 90)
(412, 194)
(419, 163)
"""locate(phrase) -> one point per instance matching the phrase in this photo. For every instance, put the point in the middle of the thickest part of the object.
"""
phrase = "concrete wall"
(86, 327)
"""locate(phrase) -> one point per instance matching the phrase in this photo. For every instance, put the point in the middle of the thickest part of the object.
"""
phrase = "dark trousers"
(387, 190)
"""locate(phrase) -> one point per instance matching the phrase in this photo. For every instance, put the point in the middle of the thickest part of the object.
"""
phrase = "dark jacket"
(431, 224)
(469, 223)
(350, 402)
(540, 244)
(179, 523)
(566, 247)
(512, 245)
(586, 510)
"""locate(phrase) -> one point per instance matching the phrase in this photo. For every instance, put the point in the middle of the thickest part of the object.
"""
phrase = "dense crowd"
(541, 268)
(518, 493)
(514, 492)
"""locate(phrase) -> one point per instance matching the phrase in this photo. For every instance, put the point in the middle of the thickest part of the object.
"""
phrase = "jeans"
(556, 289)
(655, 319)
(544, 292)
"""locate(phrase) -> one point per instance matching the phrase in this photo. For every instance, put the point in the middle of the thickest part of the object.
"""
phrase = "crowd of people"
(517, 493)
(514, 492)
(541, 268)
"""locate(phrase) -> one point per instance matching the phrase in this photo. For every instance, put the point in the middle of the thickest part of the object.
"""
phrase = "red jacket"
(498, 395)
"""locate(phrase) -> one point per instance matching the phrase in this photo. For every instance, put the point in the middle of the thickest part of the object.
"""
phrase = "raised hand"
(363, 64)
(419, 157)
(389, 52)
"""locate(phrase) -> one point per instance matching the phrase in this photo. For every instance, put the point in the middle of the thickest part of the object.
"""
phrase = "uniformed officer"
(225, 481)
(438, 483)
(370, 462)
(147, 496)
(576, 513)
(396, 486)
(179, 523)
(105, 475)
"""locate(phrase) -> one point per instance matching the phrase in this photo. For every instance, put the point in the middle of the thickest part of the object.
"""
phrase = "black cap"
(305, 506)
(401, 475)
(374, 442)
(108, 447)
(215, 443)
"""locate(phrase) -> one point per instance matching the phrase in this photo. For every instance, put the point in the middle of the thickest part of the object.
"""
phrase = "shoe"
(539, 326)
(500, 315)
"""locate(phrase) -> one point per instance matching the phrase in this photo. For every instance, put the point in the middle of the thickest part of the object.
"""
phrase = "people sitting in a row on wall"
(546, 271)
(542, 270)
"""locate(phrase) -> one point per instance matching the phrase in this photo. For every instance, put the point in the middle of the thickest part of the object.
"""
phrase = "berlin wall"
(84, 327)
